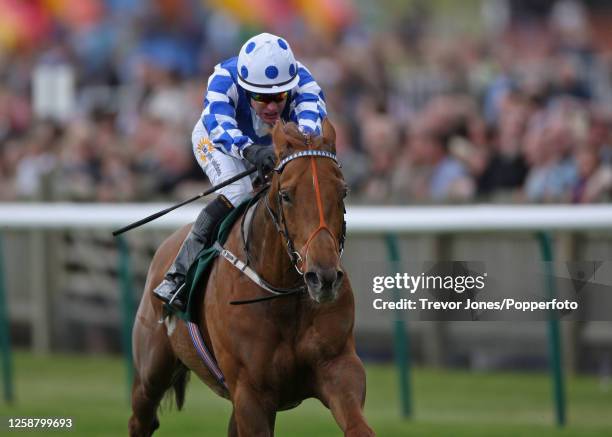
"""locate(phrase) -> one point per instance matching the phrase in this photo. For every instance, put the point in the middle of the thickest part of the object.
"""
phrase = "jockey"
(246, 95)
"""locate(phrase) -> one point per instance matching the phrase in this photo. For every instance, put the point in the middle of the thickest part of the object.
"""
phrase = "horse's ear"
(329, 134)
(279, 138)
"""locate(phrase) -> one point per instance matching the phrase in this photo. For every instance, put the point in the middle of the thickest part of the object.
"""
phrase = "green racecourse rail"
(387, 222)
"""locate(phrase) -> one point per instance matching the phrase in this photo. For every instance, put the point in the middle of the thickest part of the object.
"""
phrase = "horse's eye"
(345, 192)
(285, 196)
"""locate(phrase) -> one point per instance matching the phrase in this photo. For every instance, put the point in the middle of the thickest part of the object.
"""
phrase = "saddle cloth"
(197, 274)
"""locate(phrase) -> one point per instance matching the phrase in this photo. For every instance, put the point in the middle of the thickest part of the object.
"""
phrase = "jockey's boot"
(172, 288)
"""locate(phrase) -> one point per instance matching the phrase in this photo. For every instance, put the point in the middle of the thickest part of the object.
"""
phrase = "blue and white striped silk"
(227, 115)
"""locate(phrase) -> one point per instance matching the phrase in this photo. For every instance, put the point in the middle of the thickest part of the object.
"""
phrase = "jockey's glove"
(262, 157)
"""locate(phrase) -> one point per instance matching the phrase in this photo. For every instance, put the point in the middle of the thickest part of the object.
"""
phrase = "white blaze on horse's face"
(312, 193)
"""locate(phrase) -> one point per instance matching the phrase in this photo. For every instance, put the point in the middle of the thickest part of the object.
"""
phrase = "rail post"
(127, 306)
(401, 337)
(554, 335)
(5, 336)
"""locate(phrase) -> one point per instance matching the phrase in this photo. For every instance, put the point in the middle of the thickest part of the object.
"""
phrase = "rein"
(281, 226)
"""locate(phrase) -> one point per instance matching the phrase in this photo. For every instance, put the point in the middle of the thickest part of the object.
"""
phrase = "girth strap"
(253, 276)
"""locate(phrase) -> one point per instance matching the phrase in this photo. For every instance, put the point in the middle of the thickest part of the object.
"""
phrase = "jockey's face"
(269, 106)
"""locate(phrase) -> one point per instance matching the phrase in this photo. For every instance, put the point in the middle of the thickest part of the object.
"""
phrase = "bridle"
(298, 256)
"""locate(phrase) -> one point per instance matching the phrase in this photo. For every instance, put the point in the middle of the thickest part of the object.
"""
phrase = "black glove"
(262, 157)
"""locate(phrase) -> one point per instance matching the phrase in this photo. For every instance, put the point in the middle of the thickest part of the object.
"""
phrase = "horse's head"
(307, 193)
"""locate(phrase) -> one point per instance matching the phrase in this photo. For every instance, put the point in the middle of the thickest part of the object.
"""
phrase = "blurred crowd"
(517, 110)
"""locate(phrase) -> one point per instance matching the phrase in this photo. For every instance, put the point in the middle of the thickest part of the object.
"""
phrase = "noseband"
(281, 224)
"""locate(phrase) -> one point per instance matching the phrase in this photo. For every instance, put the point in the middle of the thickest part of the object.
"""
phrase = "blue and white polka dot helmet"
(266, 65)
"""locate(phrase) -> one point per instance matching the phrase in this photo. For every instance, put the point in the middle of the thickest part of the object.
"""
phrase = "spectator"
(594, 179)
(552, 174)
(506, 169)
(519, 113)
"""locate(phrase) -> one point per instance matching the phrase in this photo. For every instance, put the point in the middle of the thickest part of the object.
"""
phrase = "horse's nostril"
(328, 277)
(339, 276)
(312, 279)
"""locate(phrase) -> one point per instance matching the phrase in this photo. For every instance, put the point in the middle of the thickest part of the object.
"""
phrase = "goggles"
(267, 98)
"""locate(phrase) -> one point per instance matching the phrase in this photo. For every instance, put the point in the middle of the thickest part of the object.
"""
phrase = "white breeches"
(220, 167)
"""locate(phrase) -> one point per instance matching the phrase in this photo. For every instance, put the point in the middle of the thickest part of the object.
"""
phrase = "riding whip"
(172, 208)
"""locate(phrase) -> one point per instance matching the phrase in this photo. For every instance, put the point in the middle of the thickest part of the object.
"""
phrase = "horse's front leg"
(342, 387)
(252, 415)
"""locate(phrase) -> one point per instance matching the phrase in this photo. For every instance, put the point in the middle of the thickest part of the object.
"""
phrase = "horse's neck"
(267, 250)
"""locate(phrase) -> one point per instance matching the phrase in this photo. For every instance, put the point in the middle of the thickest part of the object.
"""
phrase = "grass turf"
(93, 392)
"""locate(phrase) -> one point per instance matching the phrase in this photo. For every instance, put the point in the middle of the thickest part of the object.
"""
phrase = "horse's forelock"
(289, 139)
(295, 138)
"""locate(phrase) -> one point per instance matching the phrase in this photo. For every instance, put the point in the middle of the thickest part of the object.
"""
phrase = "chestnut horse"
(276, 353)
